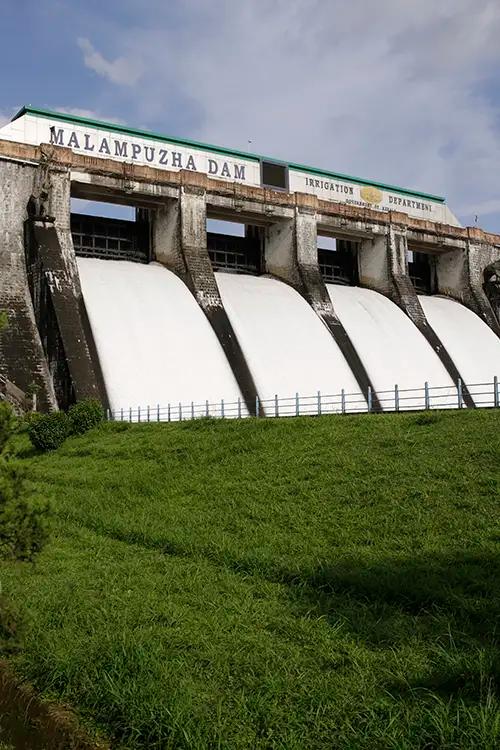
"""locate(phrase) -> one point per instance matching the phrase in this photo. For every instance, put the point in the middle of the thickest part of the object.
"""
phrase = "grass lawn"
(303, 583)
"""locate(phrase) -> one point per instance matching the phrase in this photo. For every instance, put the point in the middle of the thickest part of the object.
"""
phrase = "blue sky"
(401, 92)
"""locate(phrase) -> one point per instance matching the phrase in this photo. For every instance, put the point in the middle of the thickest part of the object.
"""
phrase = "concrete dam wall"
(159, 311)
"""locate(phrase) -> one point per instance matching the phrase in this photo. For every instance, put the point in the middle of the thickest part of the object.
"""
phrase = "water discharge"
(154, 343)
(156, 346)
(287, 347)
(473, 346)
(391, 347)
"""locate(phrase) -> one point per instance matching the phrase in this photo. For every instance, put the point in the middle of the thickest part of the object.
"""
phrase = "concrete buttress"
(383, 266)
(460, 276)
(291, 254)
(22, 359)
(180, 244)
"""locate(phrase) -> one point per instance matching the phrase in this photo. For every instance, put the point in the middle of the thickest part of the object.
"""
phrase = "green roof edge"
(117, 128)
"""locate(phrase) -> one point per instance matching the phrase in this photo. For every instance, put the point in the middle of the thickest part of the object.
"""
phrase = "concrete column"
(59, 206)
(280, 258)
(166, 238)
(180, 243)
(460, 275)
(193, 243)
(53, 243)
(291, 254)
(383, 266)
(22, 359)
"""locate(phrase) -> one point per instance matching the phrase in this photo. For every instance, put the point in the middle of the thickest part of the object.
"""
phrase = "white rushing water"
(470, 342)
(154, 343)
(390, 346)
(287, 347)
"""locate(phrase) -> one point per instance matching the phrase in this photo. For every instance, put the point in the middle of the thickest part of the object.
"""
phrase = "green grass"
(307, 583)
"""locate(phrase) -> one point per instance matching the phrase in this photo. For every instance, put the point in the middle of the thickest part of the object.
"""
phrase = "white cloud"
(395, 92)
(123, 71)
(89, 114)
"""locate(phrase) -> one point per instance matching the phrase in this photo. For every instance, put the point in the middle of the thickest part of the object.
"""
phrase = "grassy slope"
(309, 583)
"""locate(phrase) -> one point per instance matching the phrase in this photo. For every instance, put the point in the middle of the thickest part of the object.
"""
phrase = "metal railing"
(234, 253)
(108, 239)
(396, 399)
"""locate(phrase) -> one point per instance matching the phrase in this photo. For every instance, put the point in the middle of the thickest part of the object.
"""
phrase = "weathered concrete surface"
(180, 244)
(491, 286)
(143, 182)
(22, 359)
(291, 254)
(383, 266)
(90, 377)
(460, 275)
(14, 396)
(61, 278)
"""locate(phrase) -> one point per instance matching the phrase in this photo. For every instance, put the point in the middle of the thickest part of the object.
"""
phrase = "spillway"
(154, 343)
(287, 347)
(472, 345)
(391, 348)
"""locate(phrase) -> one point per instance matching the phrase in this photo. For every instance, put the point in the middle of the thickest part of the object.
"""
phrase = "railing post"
(108, 415)
(319, 403)
(459, 393)
(180, 412)
(256, 406)
(147, 411)
(239, 407)
(130, 414)
(369, 400)
(396, 397)
(495, 391)
(138, 413)
(192, 409)
(168, 411)
(207, 410)
(297, 409)
(342, 401)
(121, 414)
(426, 395)
(157, 412)
(222, 408)
(276, 407)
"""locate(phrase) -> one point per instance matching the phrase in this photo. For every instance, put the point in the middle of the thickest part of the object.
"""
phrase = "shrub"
(85, 415)
(29, 418)
(22, 518)
(7, 423)
(23, 529)
(49, 431)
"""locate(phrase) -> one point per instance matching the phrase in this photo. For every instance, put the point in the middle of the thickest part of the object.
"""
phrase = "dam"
(336, 294)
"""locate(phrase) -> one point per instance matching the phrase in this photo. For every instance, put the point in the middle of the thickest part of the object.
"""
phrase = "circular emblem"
(371, 194)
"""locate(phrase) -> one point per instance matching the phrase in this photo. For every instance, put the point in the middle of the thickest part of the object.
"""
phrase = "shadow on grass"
(450, 605)
(446, 605)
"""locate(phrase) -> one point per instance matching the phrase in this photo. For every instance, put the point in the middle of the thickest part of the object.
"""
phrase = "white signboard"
(92, 140)
(368, 196)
